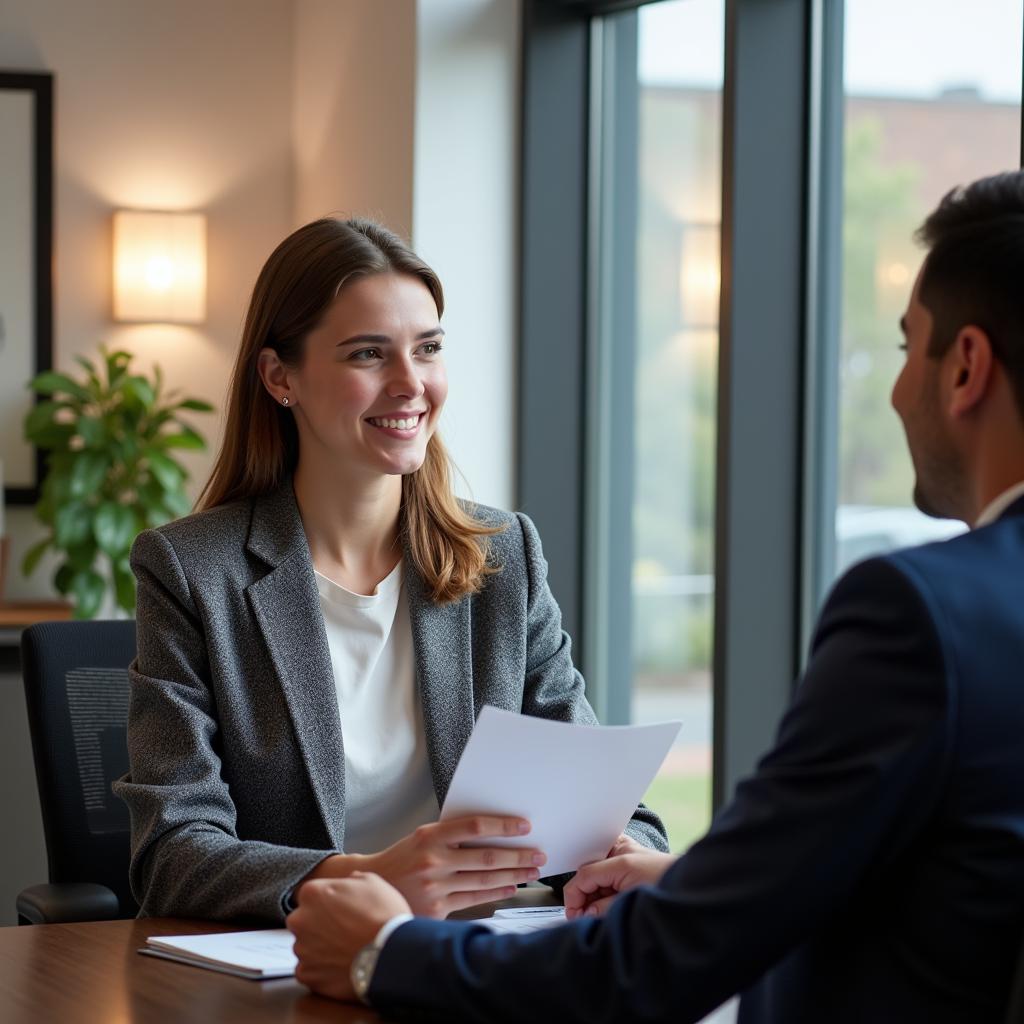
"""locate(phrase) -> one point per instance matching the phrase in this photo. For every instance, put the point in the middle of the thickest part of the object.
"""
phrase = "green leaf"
(62, 578)
(82, 556)
(87, 587)
(92, 431)
(195, 404)
(88, 472)
(188, 438)
(114, 528)
(49, 381)
(129, 449)
(124, 584)
(166, 471)
(42, 417)
(117, 366)
(56, 437)
(33, 555)
(138, 388)
(71, 525)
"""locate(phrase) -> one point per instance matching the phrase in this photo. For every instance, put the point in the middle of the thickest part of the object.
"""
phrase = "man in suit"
(872, 868)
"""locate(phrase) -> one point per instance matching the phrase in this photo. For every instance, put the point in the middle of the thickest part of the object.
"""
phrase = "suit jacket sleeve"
(857, 770)
(554, 688)
(186, 858)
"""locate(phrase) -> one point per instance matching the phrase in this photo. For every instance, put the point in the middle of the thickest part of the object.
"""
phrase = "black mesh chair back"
(76, 691)
(1015, 1011)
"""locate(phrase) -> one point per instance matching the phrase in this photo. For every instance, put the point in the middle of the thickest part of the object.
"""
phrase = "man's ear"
(273, 373)
(970, 370)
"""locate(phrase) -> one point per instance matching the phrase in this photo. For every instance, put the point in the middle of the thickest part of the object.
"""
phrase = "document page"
(521, 920)
(577, 784)
(266, 953)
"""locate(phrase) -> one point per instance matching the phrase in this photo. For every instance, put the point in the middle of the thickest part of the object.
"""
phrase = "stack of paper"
(520, 920)
(256, 955)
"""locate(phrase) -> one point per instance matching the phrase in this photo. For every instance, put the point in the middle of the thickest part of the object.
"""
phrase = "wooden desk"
(91, 973)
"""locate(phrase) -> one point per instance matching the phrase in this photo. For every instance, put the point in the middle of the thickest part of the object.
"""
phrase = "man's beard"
(940, 489)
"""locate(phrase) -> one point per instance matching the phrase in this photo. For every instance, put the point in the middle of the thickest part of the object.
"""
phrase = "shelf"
(16, 615)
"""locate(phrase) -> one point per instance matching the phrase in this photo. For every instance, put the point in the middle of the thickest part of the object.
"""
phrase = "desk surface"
(91, 973)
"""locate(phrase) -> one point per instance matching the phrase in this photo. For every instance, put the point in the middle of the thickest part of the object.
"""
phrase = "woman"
(315, 643)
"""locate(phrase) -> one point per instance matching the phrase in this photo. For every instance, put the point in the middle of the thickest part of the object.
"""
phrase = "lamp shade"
(159, 266)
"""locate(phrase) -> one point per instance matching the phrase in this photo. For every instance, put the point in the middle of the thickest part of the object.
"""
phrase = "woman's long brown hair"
(260, 450)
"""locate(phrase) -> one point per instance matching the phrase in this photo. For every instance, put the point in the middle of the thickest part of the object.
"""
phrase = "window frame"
(778, 350)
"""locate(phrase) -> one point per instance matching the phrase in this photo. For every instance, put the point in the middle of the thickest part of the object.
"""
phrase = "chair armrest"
(66, 902)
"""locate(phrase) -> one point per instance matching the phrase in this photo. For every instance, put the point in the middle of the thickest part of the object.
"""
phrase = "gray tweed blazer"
(236, 784)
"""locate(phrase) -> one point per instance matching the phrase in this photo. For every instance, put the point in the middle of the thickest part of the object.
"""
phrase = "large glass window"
(932, 100)
(680, 71)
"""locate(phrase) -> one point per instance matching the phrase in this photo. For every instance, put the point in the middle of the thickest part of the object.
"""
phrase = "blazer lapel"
(287, 607)
(444, 675)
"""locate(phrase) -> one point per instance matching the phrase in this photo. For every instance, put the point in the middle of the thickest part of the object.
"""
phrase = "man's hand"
(627, 844)
(335, 919)
(594, 886)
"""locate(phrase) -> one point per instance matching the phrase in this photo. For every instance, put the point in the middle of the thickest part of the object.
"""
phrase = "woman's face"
(372, 382)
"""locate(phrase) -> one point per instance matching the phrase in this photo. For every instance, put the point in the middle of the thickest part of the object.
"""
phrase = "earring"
(284, 399)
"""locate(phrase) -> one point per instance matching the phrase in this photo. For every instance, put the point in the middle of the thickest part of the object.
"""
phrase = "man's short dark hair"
(974, 272)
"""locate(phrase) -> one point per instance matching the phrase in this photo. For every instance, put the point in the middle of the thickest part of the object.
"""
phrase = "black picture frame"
(40, 85)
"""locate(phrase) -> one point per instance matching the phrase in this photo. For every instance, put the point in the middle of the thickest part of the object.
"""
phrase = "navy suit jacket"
(871, 870)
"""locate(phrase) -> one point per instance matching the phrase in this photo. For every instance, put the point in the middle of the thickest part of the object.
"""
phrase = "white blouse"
(388, 786)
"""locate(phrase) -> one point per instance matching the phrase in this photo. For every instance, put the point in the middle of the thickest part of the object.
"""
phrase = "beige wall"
(164, 105)
(353, 109)
(266, 114)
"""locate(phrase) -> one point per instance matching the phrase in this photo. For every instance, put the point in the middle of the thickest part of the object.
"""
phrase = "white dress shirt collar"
(995, 508)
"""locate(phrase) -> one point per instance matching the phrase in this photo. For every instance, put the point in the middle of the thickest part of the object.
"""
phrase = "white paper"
(266, 953)
(578, 785)
(531, 920)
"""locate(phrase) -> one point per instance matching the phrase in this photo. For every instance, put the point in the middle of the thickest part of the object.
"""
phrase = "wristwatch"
(362, 969)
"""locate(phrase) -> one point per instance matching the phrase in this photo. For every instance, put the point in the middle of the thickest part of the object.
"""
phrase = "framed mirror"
(26, 261)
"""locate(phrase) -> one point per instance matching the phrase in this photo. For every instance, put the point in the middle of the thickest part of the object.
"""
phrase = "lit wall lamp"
(159, 267)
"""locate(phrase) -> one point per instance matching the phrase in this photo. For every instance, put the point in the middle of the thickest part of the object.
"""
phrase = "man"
(872, 869)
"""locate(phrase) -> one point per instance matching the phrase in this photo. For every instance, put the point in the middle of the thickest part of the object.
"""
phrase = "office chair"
(76, 692)
(1015, 1009)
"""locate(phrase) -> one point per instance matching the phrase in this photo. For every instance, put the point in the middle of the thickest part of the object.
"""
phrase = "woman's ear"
(971, 369)
(274, 375)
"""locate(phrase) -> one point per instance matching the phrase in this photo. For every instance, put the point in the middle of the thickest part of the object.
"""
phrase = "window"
(656, 147)
(932, 99)
(681, 53)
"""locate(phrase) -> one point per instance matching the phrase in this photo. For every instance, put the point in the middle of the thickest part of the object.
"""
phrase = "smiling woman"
(315, 644)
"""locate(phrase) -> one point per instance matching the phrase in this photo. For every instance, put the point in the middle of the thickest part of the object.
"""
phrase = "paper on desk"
(524, 920)
(266, 953)
(577, 784)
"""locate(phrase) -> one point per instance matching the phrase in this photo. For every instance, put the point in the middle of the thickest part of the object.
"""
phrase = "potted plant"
(109, 439)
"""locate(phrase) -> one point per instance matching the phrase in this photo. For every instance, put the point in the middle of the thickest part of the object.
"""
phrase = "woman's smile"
(400, 426)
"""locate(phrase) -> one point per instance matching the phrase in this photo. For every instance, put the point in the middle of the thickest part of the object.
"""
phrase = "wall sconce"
(159, 267)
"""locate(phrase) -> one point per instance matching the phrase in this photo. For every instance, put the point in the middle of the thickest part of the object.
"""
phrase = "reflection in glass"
(943, 114)
(681, 47)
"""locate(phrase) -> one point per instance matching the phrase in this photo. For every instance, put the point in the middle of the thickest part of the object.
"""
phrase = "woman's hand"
(595, 885)
(437, 874)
